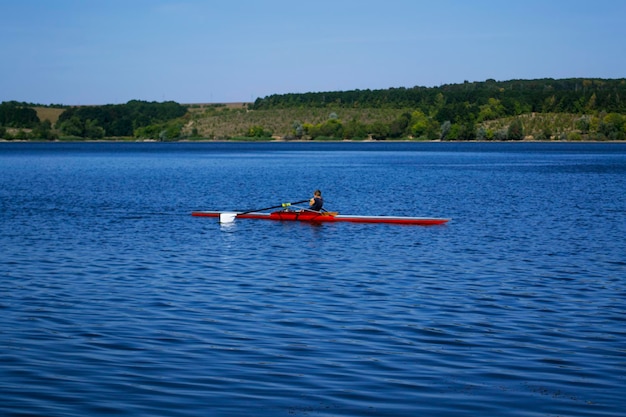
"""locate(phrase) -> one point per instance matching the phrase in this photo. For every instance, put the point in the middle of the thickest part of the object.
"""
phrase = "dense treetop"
(122, 119)
(14, 114)
(454, 101)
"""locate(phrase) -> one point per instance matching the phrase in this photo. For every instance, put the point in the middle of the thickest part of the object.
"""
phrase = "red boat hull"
(313, 217)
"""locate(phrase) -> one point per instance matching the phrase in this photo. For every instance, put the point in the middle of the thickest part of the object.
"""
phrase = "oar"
(229, 217)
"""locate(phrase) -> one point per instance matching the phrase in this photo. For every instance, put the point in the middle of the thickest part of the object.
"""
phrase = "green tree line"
(117, 120)
(22, 118)
(17, 115)
(135, 118)
(456, 102)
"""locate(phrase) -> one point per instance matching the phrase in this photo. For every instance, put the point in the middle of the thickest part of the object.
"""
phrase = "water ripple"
(115, 301)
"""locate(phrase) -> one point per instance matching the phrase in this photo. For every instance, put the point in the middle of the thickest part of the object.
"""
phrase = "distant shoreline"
(310, 141)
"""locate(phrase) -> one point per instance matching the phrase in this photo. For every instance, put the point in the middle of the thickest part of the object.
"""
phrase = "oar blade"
(227, 217)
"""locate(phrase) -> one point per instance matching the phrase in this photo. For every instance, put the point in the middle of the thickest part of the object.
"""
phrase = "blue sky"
(192, 51)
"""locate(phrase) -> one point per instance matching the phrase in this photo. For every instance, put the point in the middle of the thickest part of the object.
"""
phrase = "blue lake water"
(114, 300)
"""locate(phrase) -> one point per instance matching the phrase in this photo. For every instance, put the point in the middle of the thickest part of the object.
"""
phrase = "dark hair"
(317, 192)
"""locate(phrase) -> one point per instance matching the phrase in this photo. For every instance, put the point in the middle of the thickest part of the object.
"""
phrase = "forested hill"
(456, 102)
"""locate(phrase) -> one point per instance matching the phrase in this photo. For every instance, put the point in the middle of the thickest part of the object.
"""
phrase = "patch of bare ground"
(48, 113)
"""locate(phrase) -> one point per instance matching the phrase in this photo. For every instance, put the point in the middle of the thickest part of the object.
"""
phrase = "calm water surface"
(114, 300)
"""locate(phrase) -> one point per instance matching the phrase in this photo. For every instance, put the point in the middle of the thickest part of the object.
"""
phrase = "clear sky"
(193, 51)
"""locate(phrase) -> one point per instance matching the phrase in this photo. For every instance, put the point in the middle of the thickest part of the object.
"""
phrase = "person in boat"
(317, 202)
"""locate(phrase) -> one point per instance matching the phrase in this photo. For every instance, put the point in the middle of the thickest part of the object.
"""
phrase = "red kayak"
(323, 217)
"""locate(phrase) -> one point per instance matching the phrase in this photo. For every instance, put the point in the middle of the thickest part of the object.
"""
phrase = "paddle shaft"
(273, 207)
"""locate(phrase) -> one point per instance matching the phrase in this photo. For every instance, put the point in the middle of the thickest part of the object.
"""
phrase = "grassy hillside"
(48, 113)
(221, 122)
(224, 121)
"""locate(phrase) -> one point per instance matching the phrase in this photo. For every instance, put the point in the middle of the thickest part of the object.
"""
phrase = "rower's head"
(317, 193)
